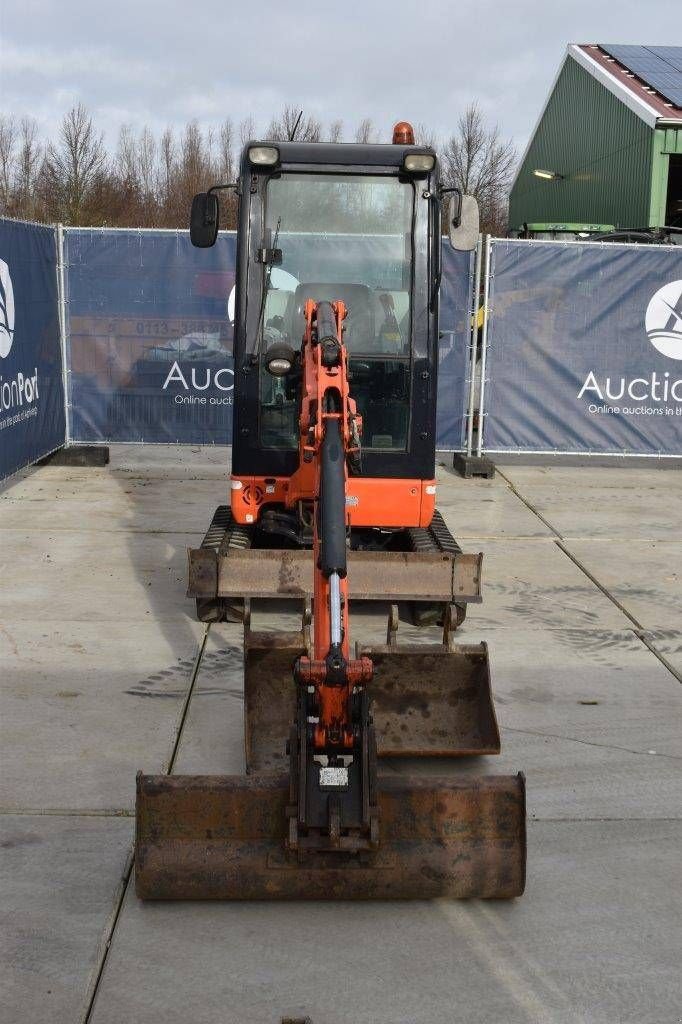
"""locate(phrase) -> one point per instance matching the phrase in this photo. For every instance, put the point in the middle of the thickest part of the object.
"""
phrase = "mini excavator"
(332, 501)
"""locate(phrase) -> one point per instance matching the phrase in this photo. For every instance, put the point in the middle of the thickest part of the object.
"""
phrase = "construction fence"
(125, 335)
(32, 406)
(149, 336)
(581, 350)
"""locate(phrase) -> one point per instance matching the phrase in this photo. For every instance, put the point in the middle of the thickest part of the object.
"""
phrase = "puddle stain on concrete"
(20, 839)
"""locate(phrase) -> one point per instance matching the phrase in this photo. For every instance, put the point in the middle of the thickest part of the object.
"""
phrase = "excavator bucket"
(432, 700)
(223, 837)
(428, 700)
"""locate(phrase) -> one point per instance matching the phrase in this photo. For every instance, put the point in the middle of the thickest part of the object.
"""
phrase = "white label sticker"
(333, 778)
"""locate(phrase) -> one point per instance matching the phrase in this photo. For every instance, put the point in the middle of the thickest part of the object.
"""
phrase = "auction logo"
(663, 320)
(6, 310)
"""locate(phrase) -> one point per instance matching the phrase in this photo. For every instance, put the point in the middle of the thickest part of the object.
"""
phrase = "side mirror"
(463, 225)
(203, 221)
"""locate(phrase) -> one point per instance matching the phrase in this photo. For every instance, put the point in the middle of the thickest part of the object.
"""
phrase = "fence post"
(61, 297)
(70, 454)
(484, 348)
(466, 463)
(473, 339)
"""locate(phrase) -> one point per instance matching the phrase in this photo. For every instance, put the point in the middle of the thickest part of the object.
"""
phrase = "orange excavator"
(333, 825)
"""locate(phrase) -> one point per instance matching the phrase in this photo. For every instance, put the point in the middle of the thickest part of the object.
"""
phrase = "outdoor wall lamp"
(548, 175)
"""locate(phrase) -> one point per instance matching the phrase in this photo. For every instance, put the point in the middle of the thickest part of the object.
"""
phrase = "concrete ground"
(104, 671)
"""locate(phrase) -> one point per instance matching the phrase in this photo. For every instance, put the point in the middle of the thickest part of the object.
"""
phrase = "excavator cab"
(360, 224)
(332, 500)
(353, 237)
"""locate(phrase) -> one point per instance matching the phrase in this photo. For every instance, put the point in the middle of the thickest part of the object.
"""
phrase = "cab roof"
(339, 153)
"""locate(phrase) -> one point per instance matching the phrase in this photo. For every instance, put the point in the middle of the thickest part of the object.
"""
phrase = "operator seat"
(360, 333)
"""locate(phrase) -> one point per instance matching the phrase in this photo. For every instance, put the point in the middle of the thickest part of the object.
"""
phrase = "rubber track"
(224, 533)
(435, 537)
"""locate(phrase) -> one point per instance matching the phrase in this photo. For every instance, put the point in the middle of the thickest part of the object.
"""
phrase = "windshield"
(345, 237)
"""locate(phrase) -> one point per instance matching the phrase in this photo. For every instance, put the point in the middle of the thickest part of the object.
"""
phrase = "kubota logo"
(663, 320)
(6, 310)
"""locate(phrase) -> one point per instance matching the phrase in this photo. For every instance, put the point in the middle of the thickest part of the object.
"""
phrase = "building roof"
(648, 79)
(630, 87)
(659, 68)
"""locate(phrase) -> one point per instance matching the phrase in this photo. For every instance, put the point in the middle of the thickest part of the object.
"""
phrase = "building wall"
(666, 177)
(601, 146)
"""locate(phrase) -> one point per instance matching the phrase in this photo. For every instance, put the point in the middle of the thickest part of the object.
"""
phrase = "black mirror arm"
(442, 192)
(228, 184)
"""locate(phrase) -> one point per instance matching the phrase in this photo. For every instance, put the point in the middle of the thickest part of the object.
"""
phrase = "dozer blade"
(222, 837)
(374, 575)
(428, 700)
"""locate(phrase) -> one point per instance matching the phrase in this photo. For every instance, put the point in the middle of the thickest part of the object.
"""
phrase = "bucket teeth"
(222, 837)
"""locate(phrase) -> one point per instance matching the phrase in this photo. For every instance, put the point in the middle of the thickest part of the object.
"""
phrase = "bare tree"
(185, 170)
(425, 136)
(146, 159)
(132, 200)
(126, 156)
(336, 131)
(275, 131)
(72, 165)
(365, 133)
(8, 137)
(114, 194)
(167, 168)
(292, 126)
(284, 127)
(247, 131)
(310, 130)
(477, 160)
(226, 151)
(195, 158)
(227, 172)
(28, 163)
(150, 180)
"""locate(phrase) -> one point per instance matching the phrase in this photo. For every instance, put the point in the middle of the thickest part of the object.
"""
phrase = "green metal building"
(607, 149)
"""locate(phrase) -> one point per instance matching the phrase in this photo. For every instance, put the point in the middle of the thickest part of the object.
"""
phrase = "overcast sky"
(163, 63)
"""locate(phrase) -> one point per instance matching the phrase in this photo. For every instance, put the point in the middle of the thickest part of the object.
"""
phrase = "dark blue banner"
(150, 340)
(456, 301)
(584, 348)
(32, 421)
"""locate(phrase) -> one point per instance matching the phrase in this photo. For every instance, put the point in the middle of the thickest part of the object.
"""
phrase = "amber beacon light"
(403, 134)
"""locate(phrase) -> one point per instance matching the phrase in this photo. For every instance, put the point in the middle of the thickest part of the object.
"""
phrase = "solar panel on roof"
(673, 54)
(658, 66)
